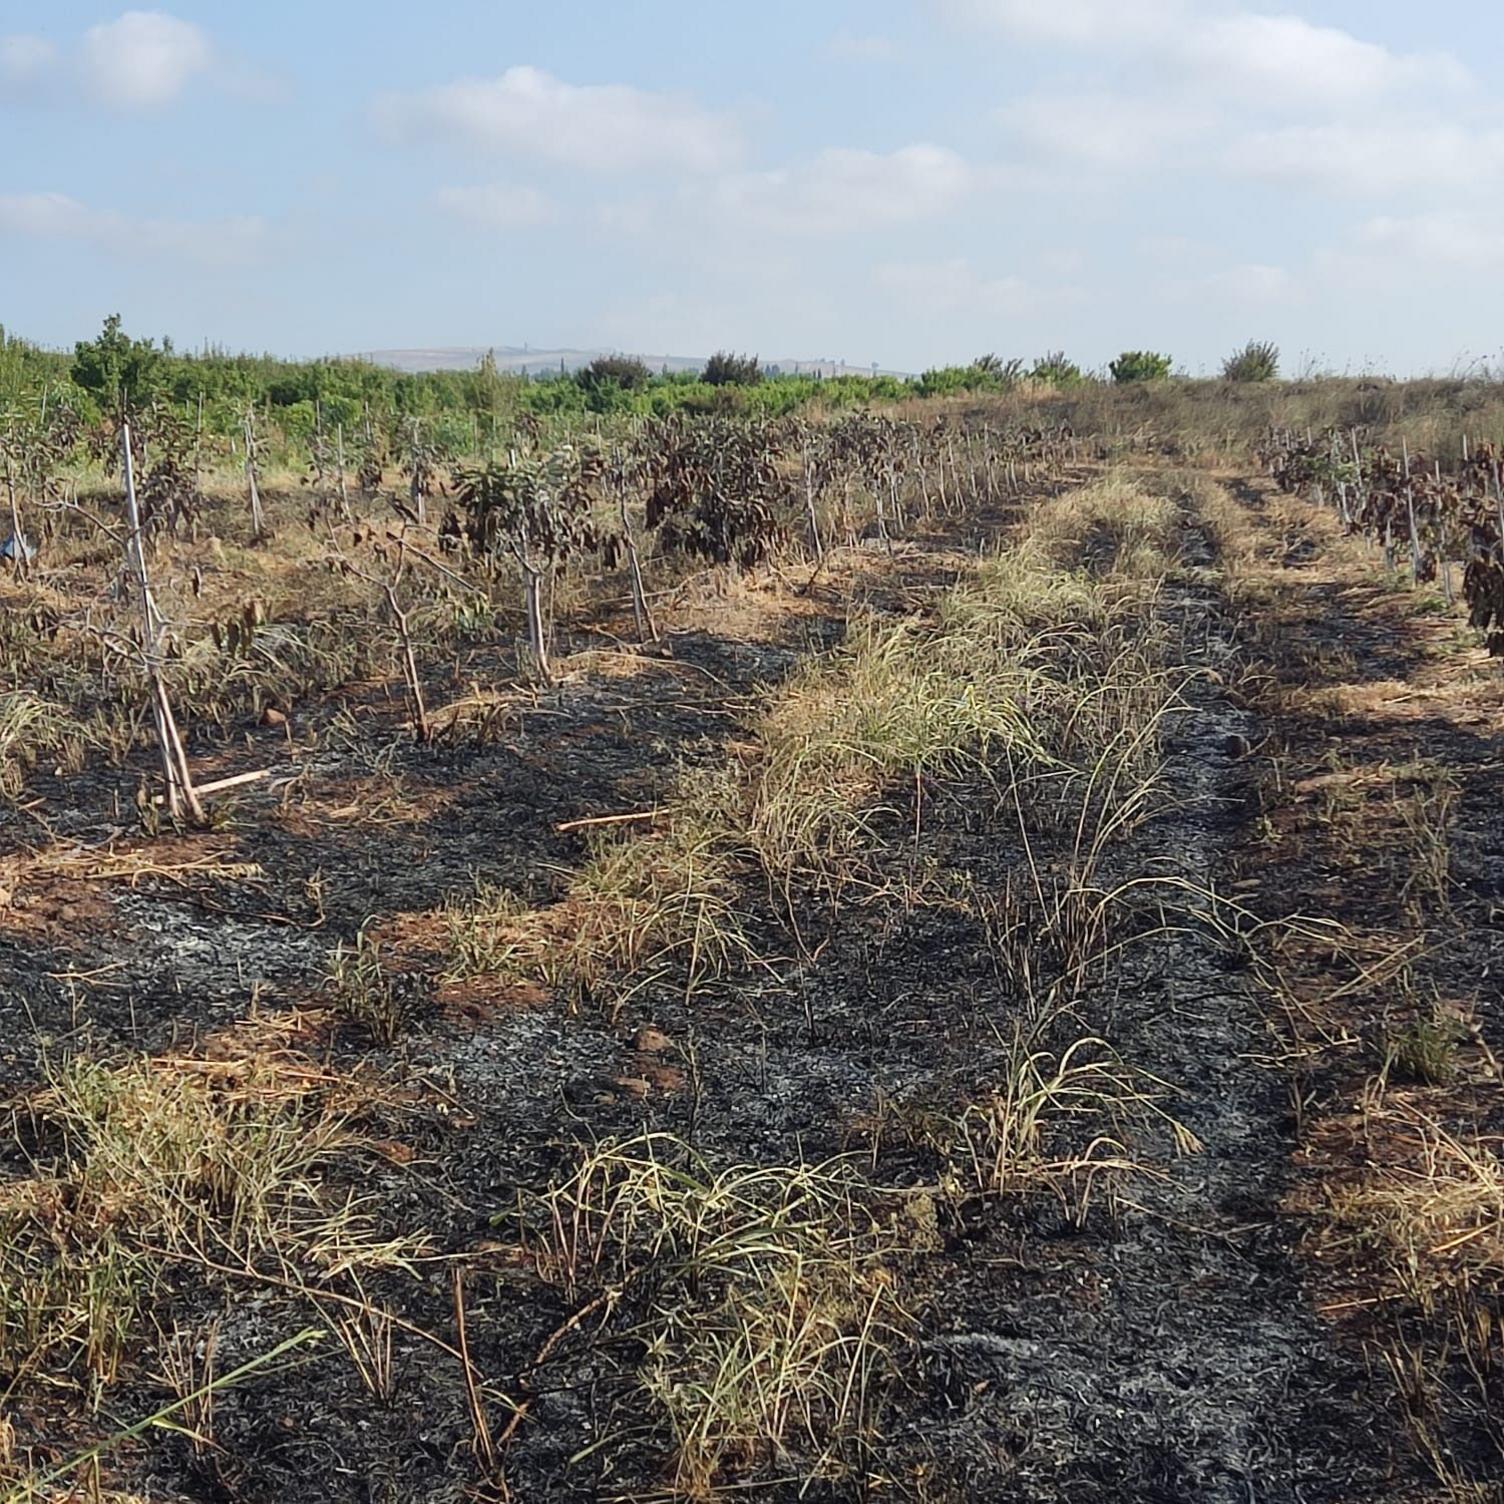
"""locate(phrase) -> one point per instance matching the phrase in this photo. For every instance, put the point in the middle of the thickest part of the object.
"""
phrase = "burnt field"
(989, 994)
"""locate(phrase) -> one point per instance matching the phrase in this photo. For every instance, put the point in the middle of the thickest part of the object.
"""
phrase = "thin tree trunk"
(179, 781)
(198, 451)
(421, 730)
(924, 480)
(253, 488)
(809, 507)
(533, 592)
(882, 517)
(1410, 512)
(339, 469)
(647, 628)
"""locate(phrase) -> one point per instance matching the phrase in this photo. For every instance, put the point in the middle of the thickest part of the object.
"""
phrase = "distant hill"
(541, 362)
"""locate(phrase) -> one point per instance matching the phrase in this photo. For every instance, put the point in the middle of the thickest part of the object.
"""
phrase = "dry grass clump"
(1060, 1122)
(156, 1163)
(637, 904)
(768, 1321)
(897, 702)
(1395, 818)
(1113, 527)
(485, 934)
(670, 895)
(35, 731)
(245, 665)
(364, 989)
(1434, 1211)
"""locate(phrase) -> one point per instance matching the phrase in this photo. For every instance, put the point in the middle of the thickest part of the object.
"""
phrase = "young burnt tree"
(537, 510)
(18, 460)
(36, 443)
(164, 473)
(421, 459)
(717, 491)
(324, 461)
(395, 560)
(624, 473)
(372, 457)
(818, 464)
(180, 793)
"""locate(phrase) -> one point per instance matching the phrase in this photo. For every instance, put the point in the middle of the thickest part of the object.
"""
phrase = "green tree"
(725, 369)
(1140, 365)
(625, 372)
(1055, 369)
(1256, 361)
(117, 370)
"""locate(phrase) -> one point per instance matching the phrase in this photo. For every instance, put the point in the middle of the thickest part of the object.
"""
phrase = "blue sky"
(910, 182)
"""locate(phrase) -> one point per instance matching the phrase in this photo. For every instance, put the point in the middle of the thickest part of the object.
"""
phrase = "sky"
(901, 182)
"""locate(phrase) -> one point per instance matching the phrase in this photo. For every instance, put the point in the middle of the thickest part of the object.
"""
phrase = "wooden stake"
(178, 779)
(636, 817)
(253, 489)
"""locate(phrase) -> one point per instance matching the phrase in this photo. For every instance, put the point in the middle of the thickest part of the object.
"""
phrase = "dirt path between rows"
(1382, 723)
(1176, 1355)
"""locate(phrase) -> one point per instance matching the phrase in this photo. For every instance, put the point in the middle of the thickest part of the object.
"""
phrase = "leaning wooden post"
(1444, 539)
(532, 580)
(339, 470)
(809, 504)
(1410, 511)
(258, 519)
(647, 628)
(1496, 474)
(179, 782)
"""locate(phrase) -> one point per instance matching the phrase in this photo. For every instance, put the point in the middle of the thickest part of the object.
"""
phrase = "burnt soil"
(1170, 1345)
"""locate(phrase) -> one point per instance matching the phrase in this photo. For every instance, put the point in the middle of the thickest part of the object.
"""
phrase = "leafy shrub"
(725, 369)
(985, 374)
(1006, 373)
(116, 367)
(1055, 369)
(946, 381)
(1140, 365)
(624, 372)
(1256, 361)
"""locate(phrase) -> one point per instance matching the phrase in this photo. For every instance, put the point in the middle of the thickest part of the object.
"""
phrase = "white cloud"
(1284, 59)
(1103, 130)
(1375, 158)
(1448, 237)
(25, 59)
(1076, 22)
(55, 216)
(845, 190)
(493, 207)
(144, 60)
(955, 286)
(1214, 47)
(602, 127)
(1453, 256)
